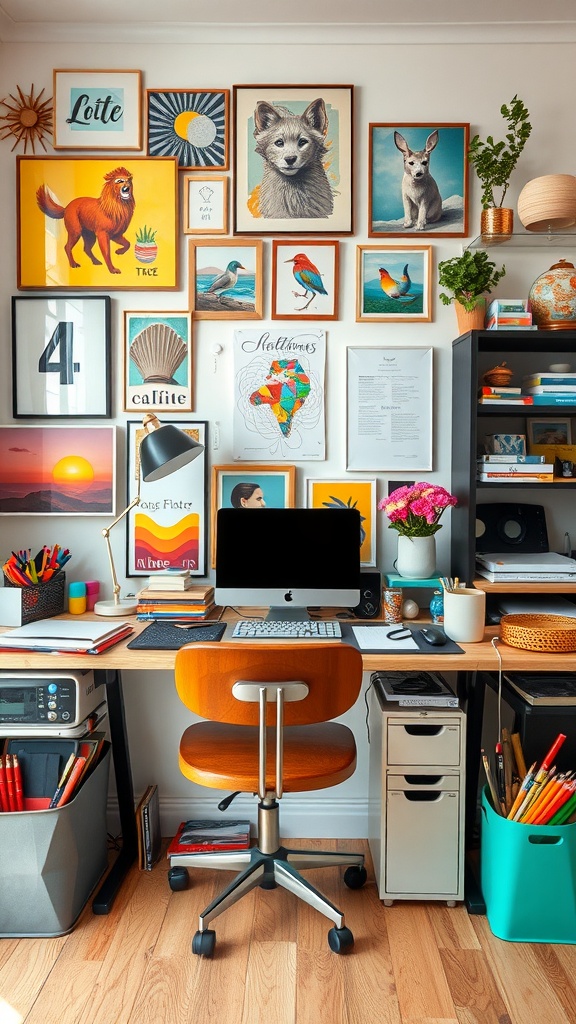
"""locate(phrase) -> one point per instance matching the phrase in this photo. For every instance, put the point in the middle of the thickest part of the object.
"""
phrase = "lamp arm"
(106, 534)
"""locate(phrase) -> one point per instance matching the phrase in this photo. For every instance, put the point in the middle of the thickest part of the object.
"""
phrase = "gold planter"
(496, 224)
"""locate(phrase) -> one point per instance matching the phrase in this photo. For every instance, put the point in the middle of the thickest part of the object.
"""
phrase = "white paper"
(376, 638)
(64, 633)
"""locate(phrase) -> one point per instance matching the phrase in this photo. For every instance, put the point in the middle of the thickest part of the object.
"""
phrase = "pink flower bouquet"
(416, 511)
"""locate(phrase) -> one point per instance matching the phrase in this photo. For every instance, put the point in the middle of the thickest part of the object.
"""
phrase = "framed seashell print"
(157, 361)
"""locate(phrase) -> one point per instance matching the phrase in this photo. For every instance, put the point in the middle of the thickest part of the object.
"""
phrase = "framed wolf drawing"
(293, 159)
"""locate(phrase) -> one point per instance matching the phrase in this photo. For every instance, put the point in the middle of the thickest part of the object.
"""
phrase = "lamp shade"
(164, 450)
(548, 203)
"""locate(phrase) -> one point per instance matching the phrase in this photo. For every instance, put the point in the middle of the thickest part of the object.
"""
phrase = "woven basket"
(552, 633)
(498, 376)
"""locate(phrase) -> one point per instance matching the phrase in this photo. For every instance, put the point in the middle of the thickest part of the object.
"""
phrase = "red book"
(71, 781)
(10, 782)
(4, 805)
(18, 791)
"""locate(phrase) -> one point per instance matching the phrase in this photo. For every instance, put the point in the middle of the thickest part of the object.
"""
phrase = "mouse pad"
(359, 636)
(163, 636)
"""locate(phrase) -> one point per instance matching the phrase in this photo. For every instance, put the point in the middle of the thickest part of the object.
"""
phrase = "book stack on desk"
(196, 602)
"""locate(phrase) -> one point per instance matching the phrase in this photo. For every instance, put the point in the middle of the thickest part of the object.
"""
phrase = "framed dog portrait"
(418, 180)
(305, 280)
(190, 124)
(393, 283)
(65, 235)
(250, 486)
(97, 109)
(293, 159)
(225, 279)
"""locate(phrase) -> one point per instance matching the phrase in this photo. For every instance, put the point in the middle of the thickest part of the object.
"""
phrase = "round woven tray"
(539, 632)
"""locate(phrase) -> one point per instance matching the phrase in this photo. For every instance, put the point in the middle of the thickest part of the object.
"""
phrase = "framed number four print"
(61, 356)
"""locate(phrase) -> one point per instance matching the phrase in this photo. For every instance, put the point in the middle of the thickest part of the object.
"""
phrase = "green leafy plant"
(495, 161)
(468, 277)
(145, 236)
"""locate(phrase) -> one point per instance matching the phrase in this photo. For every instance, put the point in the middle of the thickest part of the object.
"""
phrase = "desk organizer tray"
(551, 633)
(21, 605)
(528, 877)
(165, 636)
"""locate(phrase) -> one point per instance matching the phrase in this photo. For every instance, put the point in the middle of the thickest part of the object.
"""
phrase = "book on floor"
(199, 835)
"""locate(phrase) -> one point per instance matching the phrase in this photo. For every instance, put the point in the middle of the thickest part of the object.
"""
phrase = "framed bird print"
(305, 280)
(393, 283)
(225, 279)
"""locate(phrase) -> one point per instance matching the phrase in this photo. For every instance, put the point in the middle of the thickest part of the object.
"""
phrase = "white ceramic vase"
(416, 557)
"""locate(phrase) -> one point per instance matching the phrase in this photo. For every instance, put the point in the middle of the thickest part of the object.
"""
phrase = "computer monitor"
(288, 559)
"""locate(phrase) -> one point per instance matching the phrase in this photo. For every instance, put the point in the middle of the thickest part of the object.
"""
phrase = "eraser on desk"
(77, 598)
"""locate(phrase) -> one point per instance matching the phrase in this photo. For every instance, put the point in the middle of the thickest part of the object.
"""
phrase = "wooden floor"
(412, 963)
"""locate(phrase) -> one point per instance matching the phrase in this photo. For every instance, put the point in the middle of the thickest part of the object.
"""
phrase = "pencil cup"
(21, 605)
(464, 614)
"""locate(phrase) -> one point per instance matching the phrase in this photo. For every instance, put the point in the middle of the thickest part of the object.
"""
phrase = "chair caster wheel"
(340, 939)
(355, 877)
(203, 943)
(178, 879)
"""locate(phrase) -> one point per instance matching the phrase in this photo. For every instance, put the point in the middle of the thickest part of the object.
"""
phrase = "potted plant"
(494, 163)
(468, 278)
(414, 512)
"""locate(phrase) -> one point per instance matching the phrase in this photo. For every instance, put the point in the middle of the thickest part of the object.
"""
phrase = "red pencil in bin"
(551, 755)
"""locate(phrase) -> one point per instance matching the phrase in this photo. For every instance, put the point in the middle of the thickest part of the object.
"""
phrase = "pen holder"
(21, 605)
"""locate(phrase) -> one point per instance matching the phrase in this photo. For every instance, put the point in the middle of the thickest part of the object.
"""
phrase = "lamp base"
(125, 606)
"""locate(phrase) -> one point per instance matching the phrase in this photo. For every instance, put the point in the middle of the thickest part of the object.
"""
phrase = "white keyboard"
(310, 629)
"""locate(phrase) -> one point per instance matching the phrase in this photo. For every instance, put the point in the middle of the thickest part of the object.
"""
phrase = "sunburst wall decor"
(28, 119)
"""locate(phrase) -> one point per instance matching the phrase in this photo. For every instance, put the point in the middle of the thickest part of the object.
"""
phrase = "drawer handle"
(423, 730)
(423, 796)
(423, 780)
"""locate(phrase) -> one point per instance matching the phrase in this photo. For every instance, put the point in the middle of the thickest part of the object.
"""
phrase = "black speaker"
(370, 595)
(508, 526)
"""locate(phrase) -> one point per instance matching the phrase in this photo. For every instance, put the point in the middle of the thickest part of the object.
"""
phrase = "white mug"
(464, 614)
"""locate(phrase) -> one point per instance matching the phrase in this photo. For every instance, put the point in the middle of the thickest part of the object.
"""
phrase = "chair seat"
(226, 756)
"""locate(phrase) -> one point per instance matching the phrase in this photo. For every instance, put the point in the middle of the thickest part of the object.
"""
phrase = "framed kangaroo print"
(293, 159)
(418, 180)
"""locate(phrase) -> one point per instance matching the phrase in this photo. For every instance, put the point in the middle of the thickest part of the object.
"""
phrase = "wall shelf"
(525, 240)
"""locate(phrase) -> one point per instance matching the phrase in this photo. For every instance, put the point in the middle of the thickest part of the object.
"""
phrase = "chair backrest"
(206, 673)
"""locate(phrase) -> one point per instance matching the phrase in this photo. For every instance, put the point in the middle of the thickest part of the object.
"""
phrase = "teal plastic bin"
(528, 876)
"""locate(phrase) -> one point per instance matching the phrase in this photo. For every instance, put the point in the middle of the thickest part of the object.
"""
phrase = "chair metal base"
(268, 868)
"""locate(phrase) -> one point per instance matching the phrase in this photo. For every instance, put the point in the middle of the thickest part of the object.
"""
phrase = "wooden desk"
(109, 665)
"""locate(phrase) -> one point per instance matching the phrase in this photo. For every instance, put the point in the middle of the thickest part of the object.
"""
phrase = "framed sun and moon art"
(190, 124)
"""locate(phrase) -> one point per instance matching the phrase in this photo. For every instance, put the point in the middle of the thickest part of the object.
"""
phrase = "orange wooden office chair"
(268, 732)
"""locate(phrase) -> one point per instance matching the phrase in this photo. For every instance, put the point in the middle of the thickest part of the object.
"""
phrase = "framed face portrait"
(250, 486)
(293, 159)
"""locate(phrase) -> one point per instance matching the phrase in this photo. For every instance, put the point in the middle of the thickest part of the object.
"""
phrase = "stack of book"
(77, 768)
(155, 602)
(517, 468)
(550, 388)
(509, 314)
(504, 396)
(200, 835)
(148, 827)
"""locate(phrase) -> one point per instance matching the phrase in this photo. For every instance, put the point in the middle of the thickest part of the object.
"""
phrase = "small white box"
(11, 607)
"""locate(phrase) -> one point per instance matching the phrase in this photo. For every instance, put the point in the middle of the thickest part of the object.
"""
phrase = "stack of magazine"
(202, 835)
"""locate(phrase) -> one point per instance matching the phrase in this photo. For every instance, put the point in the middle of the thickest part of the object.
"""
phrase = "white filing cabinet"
(416, 800)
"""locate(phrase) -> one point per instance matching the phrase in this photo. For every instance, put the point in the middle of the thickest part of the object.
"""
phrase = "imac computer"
(288, 559)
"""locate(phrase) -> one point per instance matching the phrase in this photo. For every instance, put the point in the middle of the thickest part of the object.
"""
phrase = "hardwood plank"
(65, 996)
(473, 988)
(270, 984)
(452, 927)
(25, 971)
(321, 992)
(415, 955)
(528, 993)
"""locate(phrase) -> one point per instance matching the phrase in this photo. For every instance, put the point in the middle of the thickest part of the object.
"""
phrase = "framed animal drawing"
(225, 279)
(305, 279)
(108, 223)
(418, 180)
(293, 159)
(393, 283)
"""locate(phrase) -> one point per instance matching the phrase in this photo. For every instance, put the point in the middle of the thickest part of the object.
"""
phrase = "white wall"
(421, 83)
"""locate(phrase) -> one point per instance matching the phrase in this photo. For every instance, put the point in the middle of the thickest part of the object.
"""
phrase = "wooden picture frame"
(158, 361)
(305, 279)
(190, 124)
(235, 264)
(273, 487)
(318, 199)
(350, 493)
(394, 283)
(42, 472)
(205, 205)
(61, 357)
(168, 528)
(434, 204)
(140, 254)
(97, 110)
(549, 430)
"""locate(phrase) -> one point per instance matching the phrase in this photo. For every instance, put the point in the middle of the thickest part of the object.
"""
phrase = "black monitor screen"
(288, 558)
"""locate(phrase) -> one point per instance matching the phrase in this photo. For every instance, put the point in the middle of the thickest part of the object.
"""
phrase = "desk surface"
(476, 656)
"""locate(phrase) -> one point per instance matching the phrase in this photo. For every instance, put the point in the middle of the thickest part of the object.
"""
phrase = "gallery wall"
(400, 83)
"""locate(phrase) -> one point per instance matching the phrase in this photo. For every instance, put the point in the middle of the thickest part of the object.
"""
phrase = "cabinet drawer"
(411, 783)
(423, 743)
(422, 848)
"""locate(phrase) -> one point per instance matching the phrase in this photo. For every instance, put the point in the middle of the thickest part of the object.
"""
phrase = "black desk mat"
(423, 647)
(164, 636)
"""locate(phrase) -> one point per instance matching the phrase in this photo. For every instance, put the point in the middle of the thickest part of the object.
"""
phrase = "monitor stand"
(284, 614)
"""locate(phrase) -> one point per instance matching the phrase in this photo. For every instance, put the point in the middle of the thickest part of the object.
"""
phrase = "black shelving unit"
(472, 354)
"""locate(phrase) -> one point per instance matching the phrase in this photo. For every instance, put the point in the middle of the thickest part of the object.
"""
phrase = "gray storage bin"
(51, 860)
